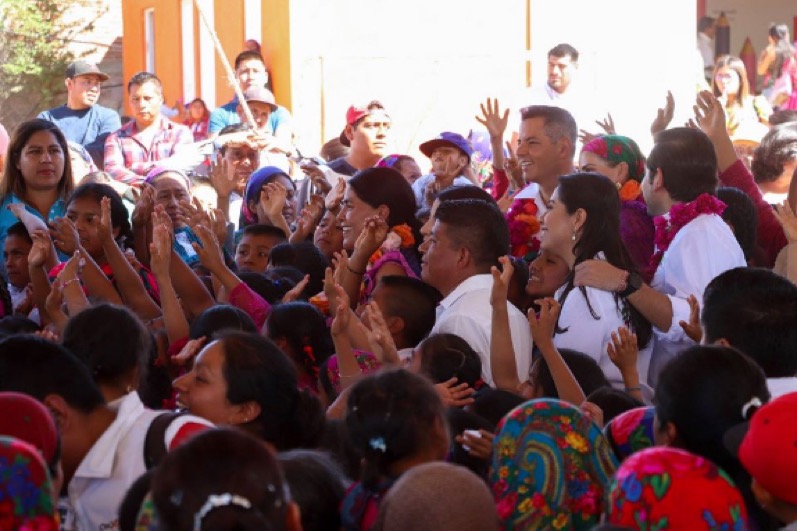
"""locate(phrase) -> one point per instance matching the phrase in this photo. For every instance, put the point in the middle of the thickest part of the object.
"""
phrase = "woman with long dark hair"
(583, 223)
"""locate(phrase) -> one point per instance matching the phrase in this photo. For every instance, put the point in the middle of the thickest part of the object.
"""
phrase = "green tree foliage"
(34, 54)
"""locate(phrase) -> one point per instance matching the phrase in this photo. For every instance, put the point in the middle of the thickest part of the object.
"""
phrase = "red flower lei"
(680, 216)
(523, 227)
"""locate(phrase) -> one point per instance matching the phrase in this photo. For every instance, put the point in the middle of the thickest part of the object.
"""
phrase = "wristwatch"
(633, 283)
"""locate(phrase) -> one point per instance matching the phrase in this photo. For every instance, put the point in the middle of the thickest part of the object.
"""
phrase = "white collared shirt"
(114, 462)
(466, 312)
(588, 335)
(703, 249)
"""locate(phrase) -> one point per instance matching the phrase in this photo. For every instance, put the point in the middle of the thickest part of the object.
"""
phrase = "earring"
(574, 235)
(618, 185)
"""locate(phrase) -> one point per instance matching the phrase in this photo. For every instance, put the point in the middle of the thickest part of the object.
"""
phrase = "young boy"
(15, 256)
(255, 246)
(408, 306)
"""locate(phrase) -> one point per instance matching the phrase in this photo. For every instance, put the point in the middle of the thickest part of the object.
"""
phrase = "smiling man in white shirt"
(467, 239)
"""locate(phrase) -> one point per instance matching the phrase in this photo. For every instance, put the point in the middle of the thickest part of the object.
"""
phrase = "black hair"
(6, 305)
(17, 324)
(389, 416)
(257, 370)
(558, 123)
(234, 128)
(613, 402)
(214, 462)
(585, 369)
(478, 226)
(597, 195)
(493, 404)
(305, 257)
(140, 78)
(318, 486)
(755, 310)
(777, 148)
(37, 367)
(304, 327)
(218, 318)
(338, 444)
(19, 229)
(286, 273)
(742, 217)
(110, 341)
(687, 162)
(460, 420)
(461, 191)
(271, 290)
(782, 116)
(704, 23)
(705, 391)
(131, 503)
(261, 229)
(562, 50)
(444, 356)
(248, 55)
(119, 215)
(414, 301)
(386, 186)
(784, 51)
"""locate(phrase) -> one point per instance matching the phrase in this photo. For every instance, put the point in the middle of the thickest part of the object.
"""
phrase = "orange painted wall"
(168, 64)
(229, 23)
(276, 45)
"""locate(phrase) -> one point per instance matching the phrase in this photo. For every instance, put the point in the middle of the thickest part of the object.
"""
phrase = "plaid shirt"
(129, 160)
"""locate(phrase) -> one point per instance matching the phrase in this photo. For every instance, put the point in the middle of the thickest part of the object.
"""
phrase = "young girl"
(270, 198)
(396, 421)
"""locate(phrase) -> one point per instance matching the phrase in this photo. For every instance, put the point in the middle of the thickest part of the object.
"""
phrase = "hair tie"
(215, 501)
(378, 443)
(754, 402)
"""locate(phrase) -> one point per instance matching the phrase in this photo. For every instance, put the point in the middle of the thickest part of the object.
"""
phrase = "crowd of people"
(565, 333)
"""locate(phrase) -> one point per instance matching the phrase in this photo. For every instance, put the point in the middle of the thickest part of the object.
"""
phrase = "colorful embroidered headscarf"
(615, 149)
(631, 431)
(26, 496)
(550, 467)
(390, 161)
(666, 488)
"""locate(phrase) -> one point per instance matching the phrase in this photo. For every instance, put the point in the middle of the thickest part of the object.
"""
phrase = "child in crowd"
(255, 245)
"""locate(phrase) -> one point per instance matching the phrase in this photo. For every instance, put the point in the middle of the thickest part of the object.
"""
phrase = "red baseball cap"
(357, 113)
(769, 448)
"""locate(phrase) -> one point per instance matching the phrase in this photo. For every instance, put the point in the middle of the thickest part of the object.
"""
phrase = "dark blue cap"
(449, 139)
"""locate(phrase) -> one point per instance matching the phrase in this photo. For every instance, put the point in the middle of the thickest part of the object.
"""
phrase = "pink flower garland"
(680, 216)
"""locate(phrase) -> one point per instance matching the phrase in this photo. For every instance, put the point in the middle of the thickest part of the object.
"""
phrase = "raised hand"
(220, 178)
(144, 206)
(317, 177)
(710, 114)
(272, 198)
(379, 335)
(340, 323)
(505, 203)
(624, 350)
(64, 235)
(295, 292)
(607, 124)
(501, 280)
(209, 252)
(218, 223)
(512, 167)
(788, 220)
(188, 352)
(105, 227)
(492, 118)
(335, 196)
(39, 252)
(663, 116)
(693, 329)
(544, 325)
(593, 412)
(455, 395)
(372, 236)
(160, 251)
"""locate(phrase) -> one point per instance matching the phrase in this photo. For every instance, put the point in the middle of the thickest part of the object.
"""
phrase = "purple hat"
(449, 139)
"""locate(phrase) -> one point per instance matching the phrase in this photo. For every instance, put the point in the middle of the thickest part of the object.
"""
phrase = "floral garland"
(523, 228)
(680, 216)
(399, 237)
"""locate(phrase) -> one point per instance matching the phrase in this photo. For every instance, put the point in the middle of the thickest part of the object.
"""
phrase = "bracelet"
(68, 282)
(632, 389)
(623, 282)
(354, 271)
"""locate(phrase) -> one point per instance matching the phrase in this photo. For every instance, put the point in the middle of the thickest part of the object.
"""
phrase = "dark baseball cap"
(84, 68)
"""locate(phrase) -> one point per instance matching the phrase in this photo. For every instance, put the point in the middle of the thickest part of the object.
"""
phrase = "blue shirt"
(227, 114)
(7, 218)
(87, 127)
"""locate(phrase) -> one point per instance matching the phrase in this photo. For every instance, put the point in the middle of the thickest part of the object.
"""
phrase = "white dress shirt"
(466, 312)
(588, 335)
(703, 249)
(114, 462)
